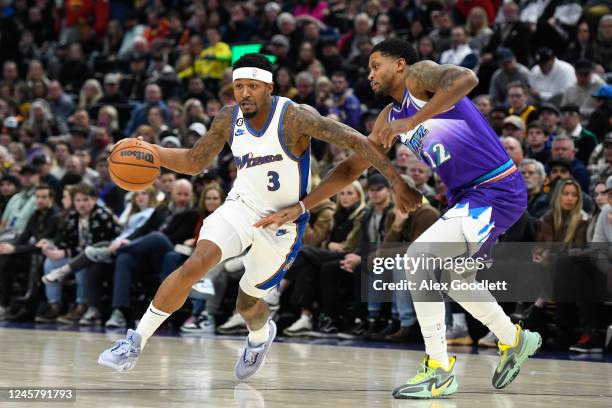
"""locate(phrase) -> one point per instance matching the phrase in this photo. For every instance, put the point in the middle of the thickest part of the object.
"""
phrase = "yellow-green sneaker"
(431, 381)
(513, 356)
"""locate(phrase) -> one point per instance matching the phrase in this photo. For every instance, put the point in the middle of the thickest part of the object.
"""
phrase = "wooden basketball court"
(198, 371)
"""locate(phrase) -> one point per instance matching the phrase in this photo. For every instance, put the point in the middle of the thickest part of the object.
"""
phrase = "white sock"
(459, 320)
(492, 315)
(151, 320)
(431, 319)
(259, 336)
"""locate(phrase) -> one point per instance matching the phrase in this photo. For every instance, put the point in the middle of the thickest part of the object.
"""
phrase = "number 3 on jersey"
(273, 183)
(440, 155)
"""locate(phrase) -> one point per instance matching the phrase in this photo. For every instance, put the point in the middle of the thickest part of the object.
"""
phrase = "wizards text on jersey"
(248, 160)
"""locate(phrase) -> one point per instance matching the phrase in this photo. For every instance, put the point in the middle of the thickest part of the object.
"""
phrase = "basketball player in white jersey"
(270, 141)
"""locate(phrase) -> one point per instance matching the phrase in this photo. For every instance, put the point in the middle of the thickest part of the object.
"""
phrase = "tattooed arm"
(193, 161)
(447, 83)
(306, 122)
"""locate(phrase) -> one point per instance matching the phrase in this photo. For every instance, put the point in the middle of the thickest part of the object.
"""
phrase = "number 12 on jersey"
(440, 155)
(273, 183)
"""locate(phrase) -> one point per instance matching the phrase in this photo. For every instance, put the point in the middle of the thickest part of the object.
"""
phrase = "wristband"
(303, 207)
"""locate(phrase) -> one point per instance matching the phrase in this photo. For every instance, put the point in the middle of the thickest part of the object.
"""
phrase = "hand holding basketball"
(134, 164)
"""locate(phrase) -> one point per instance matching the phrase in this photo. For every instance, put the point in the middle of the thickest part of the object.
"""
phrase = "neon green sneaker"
(431, 381)
(513, 357)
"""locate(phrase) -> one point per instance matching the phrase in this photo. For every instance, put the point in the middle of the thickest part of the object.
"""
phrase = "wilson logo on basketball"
(148, 157)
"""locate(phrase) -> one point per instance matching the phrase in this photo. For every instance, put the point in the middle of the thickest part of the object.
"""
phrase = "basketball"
(134, 165)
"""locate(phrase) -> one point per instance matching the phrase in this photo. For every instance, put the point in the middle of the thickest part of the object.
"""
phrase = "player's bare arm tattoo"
(211, 144)
(304, 120)
(432, 77)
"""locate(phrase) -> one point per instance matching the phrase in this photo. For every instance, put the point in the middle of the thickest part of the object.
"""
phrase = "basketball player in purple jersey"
(433, 117)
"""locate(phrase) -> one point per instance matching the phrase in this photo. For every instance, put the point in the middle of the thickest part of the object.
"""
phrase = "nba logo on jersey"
(415, 142)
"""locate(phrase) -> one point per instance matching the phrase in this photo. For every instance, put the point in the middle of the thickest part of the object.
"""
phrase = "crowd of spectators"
(79, 76)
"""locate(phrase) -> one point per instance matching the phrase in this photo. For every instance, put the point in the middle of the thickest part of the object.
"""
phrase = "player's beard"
(249, 115)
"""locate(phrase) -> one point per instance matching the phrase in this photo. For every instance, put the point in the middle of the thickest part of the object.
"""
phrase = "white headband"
(253, 73)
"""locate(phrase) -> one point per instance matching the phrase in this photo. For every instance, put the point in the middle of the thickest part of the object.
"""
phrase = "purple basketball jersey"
(458, 144)
(484, 187)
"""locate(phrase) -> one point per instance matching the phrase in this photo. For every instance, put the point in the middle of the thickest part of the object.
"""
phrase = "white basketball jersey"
(269, 177)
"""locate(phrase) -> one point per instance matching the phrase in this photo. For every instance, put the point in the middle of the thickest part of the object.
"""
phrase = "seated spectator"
(600, 195)
(584, 140)
(138, 211)
(304, 83)
(496, 119)
(283, 84)
(62, 153)
(42, 163)
(514, 149)
(170, 224)
(459, 52)
(549, 117)
(561, 169)
(518, 102)
(586, 84)
(509, 71)
(153, 97)
(537, 138)
(112, 91)
(477, 28)
(367, 324)
(60, 103)
(599, 121)
(85, 225)
(563, 147)
(514, 127)
(350, 205)
(534, 176)
(90, 94)
(484, 103)
(20, 207)
(346, 105)
(420, 174)
(550, 77)
(19, 254)
(9, 186)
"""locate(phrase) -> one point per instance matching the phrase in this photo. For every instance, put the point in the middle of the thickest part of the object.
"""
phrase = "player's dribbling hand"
(280, 217)
(407, 198)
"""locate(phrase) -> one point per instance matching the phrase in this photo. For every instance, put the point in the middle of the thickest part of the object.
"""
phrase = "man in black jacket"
(170, 224)
(23, 253)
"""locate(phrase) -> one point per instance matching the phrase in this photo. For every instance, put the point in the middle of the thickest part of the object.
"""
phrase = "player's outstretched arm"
(313, 124)
(448, 83)
(193, 161)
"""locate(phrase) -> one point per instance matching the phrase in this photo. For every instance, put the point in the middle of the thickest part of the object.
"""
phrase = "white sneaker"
(234, 325)
(490, 340)
(202, 324)
(117, 320)
(55, 275)
(273, 298)
(300, 327)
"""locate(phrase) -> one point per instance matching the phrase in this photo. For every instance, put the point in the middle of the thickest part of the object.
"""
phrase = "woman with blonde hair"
(91, 93)
(565, 221)
(477, 28)
(108, 118)
(41, 121)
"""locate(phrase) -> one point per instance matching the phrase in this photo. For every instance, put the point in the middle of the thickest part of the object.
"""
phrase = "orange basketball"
(134, 165)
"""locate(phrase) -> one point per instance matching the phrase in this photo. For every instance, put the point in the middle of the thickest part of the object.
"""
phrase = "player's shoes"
(124, 353)
(431, 381)
(252, 358)
(513, 357)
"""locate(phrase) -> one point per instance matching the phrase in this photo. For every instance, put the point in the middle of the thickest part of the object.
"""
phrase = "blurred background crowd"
(77, 76)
